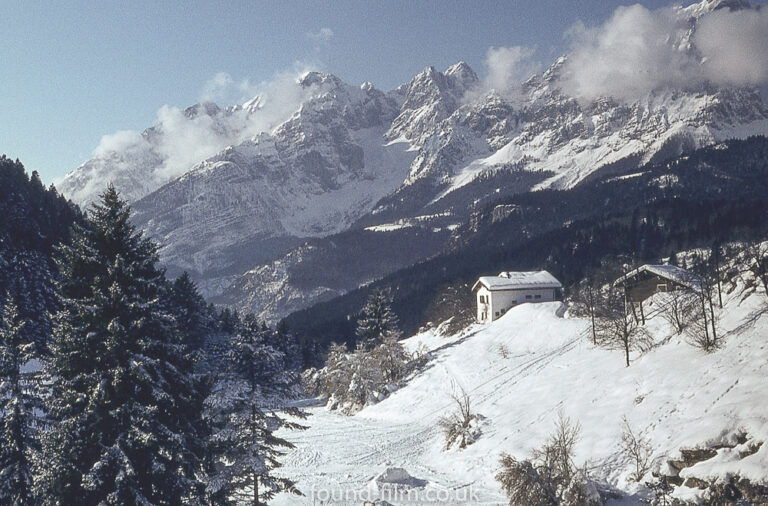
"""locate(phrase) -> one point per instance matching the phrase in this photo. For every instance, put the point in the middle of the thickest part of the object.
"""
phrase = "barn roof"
(518, 281)
(670, 272)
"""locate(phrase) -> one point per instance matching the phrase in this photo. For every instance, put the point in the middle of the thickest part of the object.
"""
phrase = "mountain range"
(355, 183)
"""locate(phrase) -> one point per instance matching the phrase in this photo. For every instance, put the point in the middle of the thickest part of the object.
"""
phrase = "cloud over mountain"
(181, 138)
(638, 50)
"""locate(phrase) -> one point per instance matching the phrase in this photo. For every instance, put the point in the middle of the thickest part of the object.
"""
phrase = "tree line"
(143, 393)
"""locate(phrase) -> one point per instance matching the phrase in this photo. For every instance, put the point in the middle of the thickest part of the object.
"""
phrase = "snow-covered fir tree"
(192, 313)
(377, 321)
(20, 408)
(126, 418)
(379, 363)
(248, 407)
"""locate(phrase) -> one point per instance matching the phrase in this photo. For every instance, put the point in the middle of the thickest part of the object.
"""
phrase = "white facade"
(497, 294)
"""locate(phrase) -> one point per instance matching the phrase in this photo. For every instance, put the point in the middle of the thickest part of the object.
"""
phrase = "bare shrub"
(637, 449)
(461, 426)
(661, 489)
(702, 328)
(420, 356)
(678, 309)
(503, 351)
(550, 477)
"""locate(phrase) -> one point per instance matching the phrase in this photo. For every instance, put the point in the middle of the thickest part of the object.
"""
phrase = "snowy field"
(674, 395)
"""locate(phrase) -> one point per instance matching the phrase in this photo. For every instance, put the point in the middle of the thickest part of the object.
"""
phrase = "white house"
(496, 294)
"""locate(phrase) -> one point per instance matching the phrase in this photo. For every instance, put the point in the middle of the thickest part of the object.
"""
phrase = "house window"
(528, 297)
(483, 315)
(497, 313)
(661, 287)
(537, 297)
(482, 299)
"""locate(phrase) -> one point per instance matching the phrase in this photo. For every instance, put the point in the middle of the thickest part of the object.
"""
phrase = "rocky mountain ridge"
(356, 159)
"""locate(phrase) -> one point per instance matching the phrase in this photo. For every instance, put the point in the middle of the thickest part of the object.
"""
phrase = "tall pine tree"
(20, 406)
(192, 313)
(377, 322)
(249, 406)
(123, 405)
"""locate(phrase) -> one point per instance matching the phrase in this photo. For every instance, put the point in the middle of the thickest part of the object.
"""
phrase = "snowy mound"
(397, 477)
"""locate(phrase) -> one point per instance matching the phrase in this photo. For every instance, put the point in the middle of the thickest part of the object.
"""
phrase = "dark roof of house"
(670, 272)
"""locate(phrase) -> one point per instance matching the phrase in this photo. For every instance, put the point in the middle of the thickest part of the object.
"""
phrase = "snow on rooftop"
(671, 272)
(510, 280)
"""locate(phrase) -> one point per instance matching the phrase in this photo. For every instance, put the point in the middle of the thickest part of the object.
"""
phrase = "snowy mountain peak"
(254, 104)
(703, 7)
(202, 108)
(430, 97)
(320, 79)
(729, 4)
(462, 73)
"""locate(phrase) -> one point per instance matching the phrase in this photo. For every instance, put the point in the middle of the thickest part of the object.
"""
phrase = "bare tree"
(637, 449)
(716, 269)
(617, 328)
(460, 427)
(550, 477)
(678, 308)
(756, 253)
(703, 329)
(557, 452)
(586, 301)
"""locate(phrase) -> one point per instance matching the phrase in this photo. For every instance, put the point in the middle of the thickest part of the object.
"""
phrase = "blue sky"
(74, 71)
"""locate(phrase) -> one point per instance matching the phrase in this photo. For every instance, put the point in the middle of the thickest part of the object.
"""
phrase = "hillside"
(713, 194)
(674, 395)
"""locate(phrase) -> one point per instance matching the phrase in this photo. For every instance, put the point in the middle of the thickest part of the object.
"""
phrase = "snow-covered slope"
(674, 395)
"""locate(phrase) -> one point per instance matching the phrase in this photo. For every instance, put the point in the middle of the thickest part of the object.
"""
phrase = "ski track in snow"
(674, 395)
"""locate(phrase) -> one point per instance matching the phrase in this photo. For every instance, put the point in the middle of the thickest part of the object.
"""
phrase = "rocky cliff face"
(424, 155)
(314, 175)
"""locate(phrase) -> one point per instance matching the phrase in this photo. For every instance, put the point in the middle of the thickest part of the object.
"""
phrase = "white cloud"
(181, 141)
(638, 50)
(509, 66)
(120, 141)
(222, 88)
(278, 99)
(323, 35)
(734, 46)
(632, 53)
(506, 69)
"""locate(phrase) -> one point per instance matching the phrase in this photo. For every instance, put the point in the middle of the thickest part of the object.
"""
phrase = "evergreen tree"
(377, 321)
(247, 406)
(192, 314)
(20, 406)
(122, 402)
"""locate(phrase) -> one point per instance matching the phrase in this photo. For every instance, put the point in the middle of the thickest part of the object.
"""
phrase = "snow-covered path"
(674, 395)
